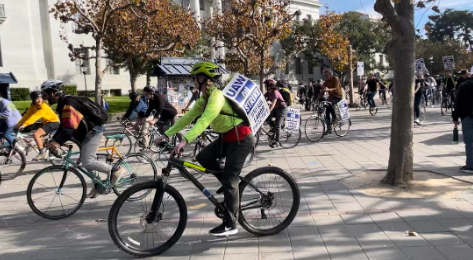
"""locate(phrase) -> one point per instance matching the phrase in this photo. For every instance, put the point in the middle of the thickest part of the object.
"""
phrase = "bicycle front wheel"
(56, 193)
(13, 163)
(133, 233)
(314, 128)
(341, 129)
(138, 168)
(289, 139)
(269, 201)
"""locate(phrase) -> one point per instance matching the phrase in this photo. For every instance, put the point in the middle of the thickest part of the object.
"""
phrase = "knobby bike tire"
(18, 155)
(294, 207)
(142, 159)
(340, 132)
(319, 123)
(45, 171)
(128, 247)
(125, 140)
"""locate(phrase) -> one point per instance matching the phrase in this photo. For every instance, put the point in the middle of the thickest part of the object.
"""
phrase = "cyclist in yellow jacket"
(38, 109)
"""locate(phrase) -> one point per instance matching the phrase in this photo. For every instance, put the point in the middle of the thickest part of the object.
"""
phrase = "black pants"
(417, 100)
(279, 115)
(235, 155)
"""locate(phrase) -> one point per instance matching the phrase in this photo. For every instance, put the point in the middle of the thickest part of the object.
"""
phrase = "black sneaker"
(466, 169)
(220, 190)
(223, 230)
(274, 144)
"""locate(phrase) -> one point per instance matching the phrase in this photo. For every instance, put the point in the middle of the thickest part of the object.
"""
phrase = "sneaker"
(328, 131)
(417, 121)
(117, 175)
(466, 169)
(274, 144)
(92, 194)
(41, 157)
(223, 230)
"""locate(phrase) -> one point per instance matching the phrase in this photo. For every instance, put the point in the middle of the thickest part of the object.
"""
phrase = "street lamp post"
(83, 68)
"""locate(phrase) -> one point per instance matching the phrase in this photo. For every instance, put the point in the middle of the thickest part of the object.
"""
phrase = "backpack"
(286, 95)
(97, 114)
(239, 113)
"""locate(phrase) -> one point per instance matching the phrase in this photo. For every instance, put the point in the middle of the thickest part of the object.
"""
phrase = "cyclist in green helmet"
(234, 143)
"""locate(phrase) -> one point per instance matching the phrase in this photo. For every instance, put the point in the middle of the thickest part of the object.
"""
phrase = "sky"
(421, 15)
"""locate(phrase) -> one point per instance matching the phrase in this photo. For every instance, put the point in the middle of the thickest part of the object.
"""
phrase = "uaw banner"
(449, 62)
(293, 119)
(420, 65)
(247, 95)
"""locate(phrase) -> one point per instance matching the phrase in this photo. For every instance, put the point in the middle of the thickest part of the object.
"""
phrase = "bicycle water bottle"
(455, 135)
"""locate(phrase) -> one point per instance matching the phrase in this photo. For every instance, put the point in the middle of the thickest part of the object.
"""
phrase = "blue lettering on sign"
(245, 90)
(252, 99)
(236, 86)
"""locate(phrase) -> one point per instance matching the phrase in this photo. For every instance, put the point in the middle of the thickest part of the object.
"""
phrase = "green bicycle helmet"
(210, 69)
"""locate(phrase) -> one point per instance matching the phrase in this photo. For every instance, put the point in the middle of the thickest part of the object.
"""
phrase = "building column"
(195, 6)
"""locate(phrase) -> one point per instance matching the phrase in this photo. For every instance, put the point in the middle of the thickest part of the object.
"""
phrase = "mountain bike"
(384, 100)
(58, 191)
(373, 110)
(287, 138)
(269, 202)
(315, 126)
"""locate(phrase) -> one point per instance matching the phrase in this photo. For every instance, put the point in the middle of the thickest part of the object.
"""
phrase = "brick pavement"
(334, 222)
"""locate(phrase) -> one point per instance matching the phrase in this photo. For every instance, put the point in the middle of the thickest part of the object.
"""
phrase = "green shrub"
(20, 94)
(82, 93)
(70, 90)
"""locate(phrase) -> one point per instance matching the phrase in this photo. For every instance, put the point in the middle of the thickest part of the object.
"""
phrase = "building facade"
(31, 47)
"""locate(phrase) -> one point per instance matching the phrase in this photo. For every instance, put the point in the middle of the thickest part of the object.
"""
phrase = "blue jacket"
(8, 113)
(136, 109)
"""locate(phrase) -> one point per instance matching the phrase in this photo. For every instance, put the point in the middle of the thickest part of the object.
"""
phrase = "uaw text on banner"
(247, 95)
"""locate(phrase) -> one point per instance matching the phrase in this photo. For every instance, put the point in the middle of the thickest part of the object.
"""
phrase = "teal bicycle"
(58, 191)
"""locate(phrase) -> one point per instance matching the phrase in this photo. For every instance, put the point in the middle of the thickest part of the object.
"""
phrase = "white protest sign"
(247, 95)
(449, 63)
(420, 65)
(343, 110)
(360, 68)
(293, 119)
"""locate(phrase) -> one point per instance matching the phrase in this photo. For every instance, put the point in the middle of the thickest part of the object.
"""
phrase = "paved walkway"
(334, 222)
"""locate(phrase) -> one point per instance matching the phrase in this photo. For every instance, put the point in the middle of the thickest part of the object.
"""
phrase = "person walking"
(464, 111)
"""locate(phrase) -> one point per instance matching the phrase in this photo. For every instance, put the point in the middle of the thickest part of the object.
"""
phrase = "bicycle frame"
(95, 179)
(181, 165)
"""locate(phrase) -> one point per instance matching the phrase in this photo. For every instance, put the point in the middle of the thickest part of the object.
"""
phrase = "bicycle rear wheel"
(341, 129)
(138, 168)
(314, 128)
(123, 145)
(13, 162)
(136, 235)
(56, 193)
(272, 212)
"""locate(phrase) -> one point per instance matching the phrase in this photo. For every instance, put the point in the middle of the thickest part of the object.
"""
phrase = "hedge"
(19, 94)
(82, 93)
(70, 90)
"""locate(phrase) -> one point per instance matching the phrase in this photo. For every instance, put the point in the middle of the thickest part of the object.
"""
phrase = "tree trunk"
(148, 78)
(402, 51)
(133, 78)
(350, 83)
(98, 71)
(261, 71)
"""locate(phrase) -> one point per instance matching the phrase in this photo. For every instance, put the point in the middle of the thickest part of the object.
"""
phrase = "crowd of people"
(84, 120)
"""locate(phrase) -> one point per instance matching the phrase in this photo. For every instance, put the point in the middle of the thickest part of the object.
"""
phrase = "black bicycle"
(287, 138)
(447, 104)
(269, 202)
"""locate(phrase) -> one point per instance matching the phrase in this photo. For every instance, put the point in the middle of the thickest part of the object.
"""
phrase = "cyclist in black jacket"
(76, 123)
(164, 111)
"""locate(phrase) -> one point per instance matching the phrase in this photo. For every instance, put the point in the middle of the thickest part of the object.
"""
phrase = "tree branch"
(82, 13)
(385, 8)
